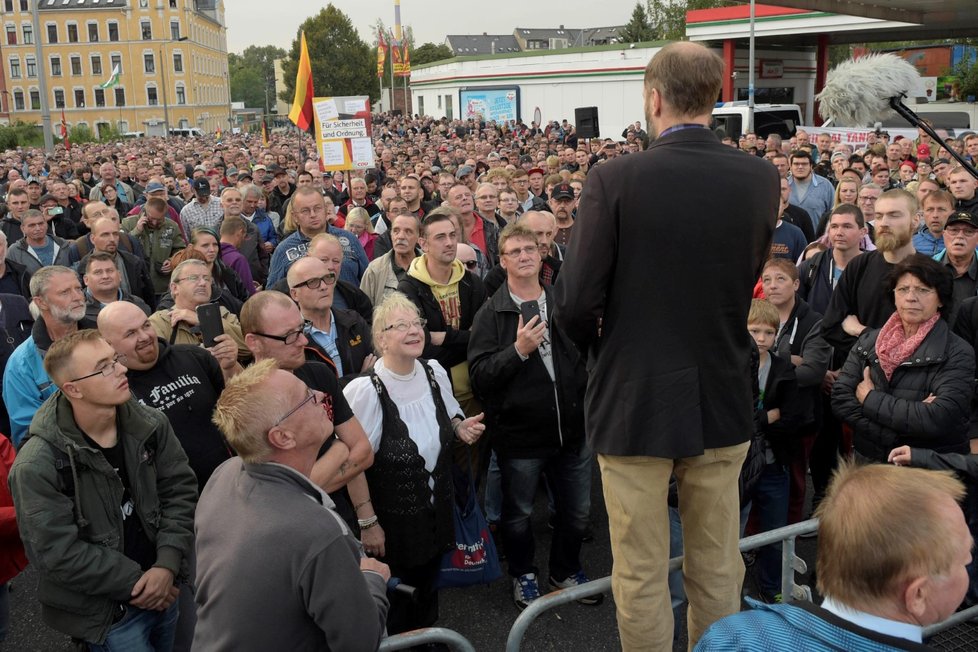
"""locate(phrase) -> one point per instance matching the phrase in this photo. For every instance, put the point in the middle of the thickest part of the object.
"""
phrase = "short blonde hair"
(247, 410)
(879, 525)
(382, 314)
(763, 312)
(57, 361)
(359, 212)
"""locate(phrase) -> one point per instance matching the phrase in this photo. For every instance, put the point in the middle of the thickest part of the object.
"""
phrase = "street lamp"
(166, 103)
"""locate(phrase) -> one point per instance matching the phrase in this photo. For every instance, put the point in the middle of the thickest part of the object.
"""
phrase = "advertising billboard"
(488, 104)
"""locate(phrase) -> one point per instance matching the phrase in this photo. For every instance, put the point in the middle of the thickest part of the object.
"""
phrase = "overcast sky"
(267, 22)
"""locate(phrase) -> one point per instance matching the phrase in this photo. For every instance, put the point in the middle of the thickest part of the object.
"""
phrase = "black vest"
(416, 528)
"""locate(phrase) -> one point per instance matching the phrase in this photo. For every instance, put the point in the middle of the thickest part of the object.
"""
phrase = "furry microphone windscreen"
(857, 92)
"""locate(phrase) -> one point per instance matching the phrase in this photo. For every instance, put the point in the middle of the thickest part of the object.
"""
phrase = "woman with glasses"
(359, 224)
(411, 418)
(909, 382)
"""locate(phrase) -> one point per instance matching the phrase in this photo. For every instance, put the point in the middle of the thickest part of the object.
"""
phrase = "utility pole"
(166, 103)
(42, 79)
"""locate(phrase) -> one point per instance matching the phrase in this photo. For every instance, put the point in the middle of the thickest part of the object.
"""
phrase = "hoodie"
(445, 294)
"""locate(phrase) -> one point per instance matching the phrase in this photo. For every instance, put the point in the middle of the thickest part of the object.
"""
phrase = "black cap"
(202, 186)
(562, 191)
(275, 169)
(961, 217)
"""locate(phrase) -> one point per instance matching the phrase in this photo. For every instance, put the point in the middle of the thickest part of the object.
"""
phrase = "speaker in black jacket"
(586, 121)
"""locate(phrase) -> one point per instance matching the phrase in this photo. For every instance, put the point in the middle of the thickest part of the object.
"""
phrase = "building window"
(120, 96)
(80, 98)
(175, 30)
(8, 6)
(117, 62)
(149, 63)
(151, 97)
(52, 33)
(59, 99)
(35, 100)
(28, 35)
(93, 32)
(31, 67)
(15, 68)
(96, 64)
(24, 5)
(143, 4)
(146, 28)
(76, 69)
(11, 35)
(18, 100)
(99, 97)
(181, 95)
(72, 33)
(173, 4)
(177, 62)
(113, 32)
(55, 66)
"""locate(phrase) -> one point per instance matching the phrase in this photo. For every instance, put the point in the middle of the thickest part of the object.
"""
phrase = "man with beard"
(563, 203)
(160, 238)
(57, 295)
(937, 206)
(384, 273)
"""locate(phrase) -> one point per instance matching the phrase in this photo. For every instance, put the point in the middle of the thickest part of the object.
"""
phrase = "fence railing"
(790, 563)
(429, 635)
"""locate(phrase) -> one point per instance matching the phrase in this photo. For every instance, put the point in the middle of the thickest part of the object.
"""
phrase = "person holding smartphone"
(531, 379)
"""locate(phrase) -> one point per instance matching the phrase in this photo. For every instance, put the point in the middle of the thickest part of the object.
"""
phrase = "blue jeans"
(570, 476)
(771, 504)
(141, 630)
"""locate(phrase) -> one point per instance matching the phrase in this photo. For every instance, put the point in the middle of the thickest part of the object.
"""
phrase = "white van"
(960, 116)
(191, 131)
(781, 119)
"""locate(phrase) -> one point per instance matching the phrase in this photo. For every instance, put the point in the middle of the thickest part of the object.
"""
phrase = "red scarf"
(893, 346)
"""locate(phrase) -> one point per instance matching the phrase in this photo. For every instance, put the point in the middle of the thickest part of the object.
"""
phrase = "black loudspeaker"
(586, 122)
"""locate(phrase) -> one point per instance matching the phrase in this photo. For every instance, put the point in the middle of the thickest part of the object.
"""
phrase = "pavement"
(485, 614)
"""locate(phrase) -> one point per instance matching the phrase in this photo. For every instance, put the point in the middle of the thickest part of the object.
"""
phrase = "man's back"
(666, 251)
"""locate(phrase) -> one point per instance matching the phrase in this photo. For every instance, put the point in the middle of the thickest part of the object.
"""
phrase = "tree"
(342, 64)
(429, 52)
(252, 74)
(638, 28)
(668, 17)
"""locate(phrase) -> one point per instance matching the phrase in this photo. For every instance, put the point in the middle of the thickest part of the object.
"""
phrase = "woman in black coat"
(910, 382)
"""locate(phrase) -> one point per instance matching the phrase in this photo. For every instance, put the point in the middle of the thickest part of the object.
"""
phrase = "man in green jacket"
(105, 502)
(160, 237)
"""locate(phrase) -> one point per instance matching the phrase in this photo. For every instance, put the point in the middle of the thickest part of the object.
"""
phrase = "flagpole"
(393, 85)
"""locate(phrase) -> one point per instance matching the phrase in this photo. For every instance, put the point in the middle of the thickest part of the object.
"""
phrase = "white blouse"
(415, 405)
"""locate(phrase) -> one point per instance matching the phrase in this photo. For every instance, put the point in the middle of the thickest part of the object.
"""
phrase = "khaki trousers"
(635, 492)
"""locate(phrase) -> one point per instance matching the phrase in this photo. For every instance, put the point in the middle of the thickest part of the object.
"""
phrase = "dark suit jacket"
(666, 249)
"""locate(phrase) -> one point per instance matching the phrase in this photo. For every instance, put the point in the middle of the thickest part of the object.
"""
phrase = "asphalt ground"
(485, 614)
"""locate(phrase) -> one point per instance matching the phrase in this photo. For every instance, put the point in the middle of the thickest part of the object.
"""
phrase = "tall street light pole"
(42, 79)
(166, 103)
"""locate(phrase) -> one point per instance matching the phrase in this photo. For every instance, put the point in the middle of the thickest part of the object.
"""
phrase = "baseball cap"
(259, 167)
(464, 171)
(923, 151)
(562, 191)
(202, 186)
(961, 217)
(276, 169)
(156, 186)
(535, 171)
(838, 155)
(46, 198)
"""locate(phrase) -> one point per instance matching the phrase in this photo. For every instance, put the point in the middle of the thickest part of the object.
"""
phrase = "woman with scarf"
(911, 381)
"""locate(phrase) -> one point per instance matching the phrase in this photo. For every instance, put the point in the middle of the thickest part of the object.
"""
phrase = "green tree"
(253, 74)
(341, 62)
(668, 17)
(429, 52)
(80, 134)
(638, 28)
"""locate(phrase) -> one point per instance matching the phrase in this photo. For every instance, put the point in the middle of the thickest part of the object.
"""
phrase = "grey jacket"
(265, 530)
(76, 542)
(22, 255)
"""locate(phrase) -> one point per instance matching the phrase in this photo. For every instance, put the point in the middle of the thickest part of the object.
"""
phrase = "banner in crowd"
(861, 137)
(343, 131)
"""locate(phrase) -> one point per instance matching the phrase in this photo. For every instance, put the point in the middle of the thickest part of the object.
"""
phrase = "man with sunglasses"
(337, 336)
(274, 329)
(264, 521)
(105, 503)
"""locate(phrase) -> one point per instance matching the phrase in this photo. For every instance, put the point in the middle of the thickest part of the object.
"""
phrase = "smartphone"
(529, 310)
(209, 319)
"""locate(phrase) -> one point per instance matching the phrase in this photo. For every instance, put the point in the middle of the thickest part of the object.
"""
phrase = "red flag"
(302, 113)
(381, 54)
(64, 131)
(407, 61)
(396, 60)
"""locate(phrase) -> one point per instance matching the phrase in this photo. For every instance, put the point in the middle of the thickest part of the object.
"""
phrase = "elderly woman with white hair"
(411, 418)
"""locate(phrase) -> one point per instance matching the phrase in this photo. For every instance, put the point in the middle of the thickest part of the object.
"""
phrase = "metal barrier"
(428, 635)
(790, 563)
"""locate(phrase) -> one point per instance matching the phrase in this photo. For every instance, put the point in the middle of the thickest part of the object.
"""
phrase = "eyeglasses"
(315, 282)
(516, 253)
(289, 338)
(470, 264)
(195, 278)
(405, 326)
(315, 210)
(106, 370)
(921, 293)
(310, 396)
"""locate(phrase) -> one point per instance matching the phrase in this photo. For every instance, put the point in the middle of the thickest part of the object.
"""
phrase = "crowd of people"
(281, 374)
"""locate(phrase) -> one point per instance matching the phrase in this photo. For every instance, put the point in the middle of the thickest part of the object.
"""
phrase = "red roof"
(739, 12)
